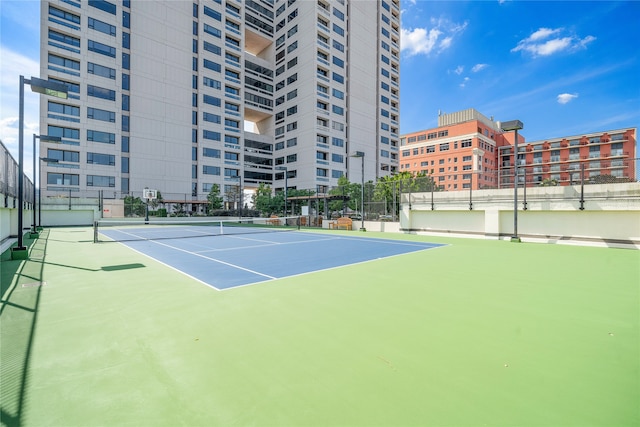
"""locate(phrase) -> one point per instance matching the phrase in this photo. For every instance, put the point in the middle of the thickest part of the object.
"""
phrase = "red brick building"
(467, 149)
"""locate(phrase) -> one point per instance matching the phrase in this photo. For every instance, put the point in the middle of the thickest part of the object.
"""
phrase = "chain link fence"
(378, 201)
(9, 185)
(578, 176)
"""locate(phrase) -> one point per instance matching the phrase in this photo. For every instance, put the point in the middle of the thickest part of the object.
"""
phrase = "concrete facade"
(610, 214)
(178, 96)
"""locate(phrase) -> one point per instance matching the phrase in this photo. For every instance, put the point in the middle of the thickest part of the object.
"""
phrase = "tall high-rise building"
(180, 95)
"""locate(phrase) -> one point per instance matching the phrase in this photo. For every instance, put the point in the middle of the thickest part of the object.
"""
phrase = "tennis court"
(474, 332)
(248, 253)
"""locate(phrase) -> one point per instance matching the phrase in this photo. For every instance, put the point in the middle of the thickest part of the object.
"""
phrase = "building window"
(103, 115)
(210, 170)
(211, 135)
(63, 132)
(62, 179)
(211, 100)
(64, 62)
(64, 15)
(63, 155)
(100, 70)
(63, 38)
(101, 181)
(103, 5)
(211, 152)
(101, 48)
(101, 159)
(103, 27)
(99, 92)
(211, 118)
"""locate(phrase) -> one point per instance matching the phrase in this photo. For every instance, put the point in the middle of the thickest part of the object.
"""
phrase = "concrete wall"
(9, 219)
(611, 214)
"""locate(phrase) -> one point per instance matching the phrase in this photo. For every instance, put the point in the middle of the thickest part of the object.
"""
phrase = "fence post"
(394, 200)
(524, 189)
(433, 184)
(471, 191)
(582, 186)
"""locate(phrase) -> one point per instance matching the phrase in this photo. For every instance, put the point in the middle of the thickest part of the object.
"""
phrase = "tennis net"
(107, 230)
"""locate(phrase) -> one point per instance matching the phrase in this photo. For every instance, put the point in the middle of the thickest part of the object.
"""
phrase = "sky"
(563, 68)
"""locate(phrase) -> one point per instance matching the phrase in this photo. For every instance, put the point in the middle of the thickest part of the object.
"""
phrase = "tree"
(232, 194)
(153, 204)
(346, 190)
(178, 209)
(214, 198)
(548, 182)
(389, 188)
(267, 204)
(134, 206)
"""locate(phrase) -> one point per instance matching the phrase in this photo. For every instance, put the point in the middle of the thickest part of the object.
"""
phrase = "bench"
(273, 220)
(342, 222)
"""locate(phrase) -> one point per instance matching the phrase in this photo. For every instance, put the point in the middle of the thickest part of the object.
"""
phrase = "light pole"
(45, 138)
(514, 125)
(361, 155)
(284, 168)
(45, 87)
(48, 160)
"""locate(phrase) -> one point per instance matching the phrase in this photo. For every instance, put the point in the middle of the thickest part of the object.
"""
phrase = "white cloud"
(479, 67)
(550, 47)
(541, 34)
(565, 98)
(459, 70)
(416, 41)
(583, 43)
(464, 82)
(540, 43)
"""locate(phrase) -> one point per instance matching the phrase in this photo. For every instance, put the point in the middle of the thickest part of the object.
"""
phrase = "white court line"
(326, 269)
(214, 260)
(268, 277)
(268, 243)
(171, 267)
(391, 242)
(151, 232)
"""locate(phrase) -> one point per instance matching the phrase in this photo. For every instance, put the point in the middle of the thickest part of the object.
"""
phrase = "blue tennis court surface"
(230, 261)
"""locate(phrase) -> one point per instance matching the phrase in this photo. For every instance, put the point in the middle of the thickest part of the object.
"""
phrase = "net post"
(95, 231)
(221, 228)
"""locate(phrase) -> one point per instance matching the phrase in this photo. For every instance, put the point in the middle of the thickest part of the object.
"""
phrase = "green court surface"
(476, 333)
